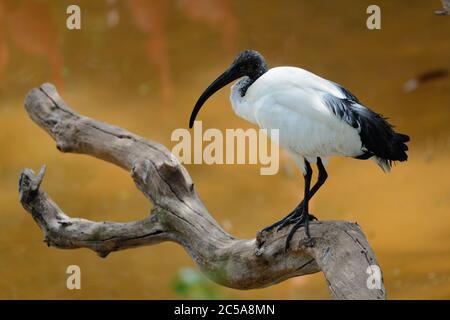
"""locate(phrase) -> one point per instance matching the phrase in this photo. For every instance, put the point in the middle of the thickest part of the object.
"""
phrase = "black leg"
(293, 217)
(304, 217)
(304, 209)
(296, 215)
(323, 175)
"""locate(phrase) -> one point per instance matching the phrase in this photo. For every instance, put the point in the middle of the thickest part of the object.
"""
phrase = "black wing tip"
(399, 147)
(402, 138)
(379, 137)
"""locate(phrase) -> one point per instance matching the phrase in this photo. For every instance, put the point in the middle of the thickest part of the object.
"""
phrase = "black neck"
(258, 72)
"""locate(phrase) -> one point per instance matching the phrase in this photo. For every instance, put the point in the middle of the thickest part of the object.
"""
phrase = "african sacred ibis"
(316, 119)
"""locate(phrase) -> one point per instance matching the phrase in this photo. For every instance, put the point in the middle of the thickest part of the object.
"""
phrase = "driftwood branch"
(445, 11)
(340, 249)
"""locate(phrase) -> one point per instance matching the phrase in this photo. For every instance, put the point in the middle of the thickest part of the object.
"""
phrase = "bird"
(316, 119)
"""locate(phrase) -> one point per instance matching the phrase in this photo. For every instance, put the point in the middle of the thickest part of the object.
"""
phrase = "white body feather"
(289, 99)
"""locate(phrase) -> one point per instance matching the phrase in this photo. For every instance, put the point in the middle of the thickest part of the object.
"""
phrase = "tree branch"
(445, 11)
(340, 249)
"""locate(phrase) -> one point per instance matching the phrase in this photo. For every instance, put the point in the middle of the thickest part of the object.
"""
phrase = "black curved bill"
(225, 78)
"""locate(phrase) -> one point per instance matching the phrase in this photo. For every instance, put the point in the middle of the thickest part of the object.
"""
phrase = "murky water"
(142, 64)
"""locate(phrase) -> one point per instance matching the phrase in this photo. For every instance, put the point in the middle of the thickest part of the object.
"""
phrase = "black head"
(248, 63)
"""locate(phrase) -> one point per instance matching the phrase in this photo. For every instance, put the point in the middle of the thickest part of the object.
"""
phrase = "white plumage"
(291, 99)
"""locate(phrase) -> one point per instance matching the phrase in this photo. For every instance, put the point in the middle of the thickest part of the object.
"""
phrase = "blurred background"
(141, 64)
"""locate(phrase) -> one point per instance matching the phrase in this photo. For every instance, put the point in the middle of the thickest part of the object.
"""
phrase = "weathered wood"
(445, 11)
(340, 249)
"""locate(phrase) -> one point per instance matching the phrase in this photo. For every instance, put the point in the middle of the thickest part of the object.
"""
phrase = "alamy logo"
(374, 20)
(234, 148)
(73, 21)
(74, 280)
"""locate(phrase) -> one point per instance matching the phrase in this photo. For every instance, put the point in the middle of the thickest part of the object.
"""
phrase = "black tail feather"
(398, 147)
(379, 138)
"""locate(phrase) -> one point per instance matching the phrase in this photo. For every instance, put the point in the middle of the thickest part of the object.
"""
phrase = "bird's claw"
(307, 242)
(299, 222)
(295, 219)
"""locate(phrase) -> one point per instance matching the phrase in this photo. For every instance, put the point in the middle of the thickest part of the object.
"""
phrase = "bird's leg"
(303, 218)
(296, 215)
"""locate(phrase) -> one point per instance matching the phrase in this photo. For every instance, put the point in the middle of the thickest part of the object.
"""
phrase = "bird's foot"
(300, 221)
(294, 219)
(277, 224)
(272, 226)
(291, 218)
(262, 234)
